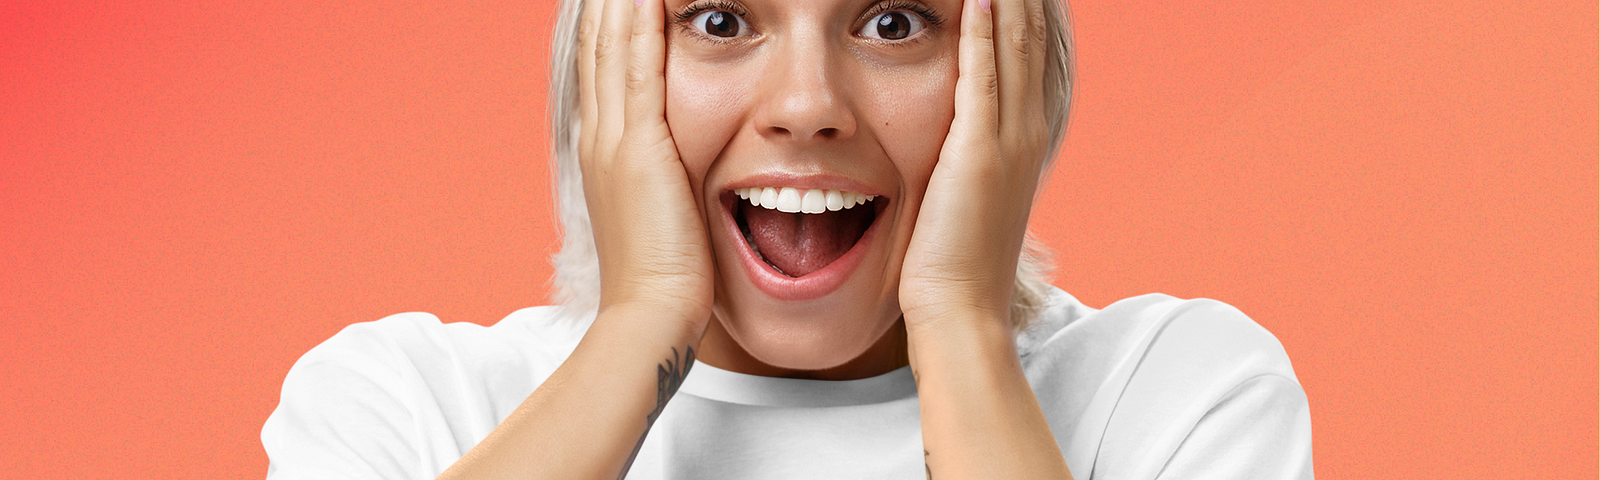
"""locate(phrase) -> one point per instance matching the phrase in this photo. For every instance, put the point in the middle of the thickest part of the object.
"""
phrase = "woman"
(821, 208)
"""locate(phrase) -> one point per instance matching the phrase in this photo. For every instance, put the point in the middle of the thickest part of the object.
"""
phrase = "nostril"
(825, 133)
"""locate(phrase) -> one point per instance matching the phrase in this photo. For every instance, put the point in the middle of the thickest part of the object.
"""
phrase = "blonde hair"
(577, 269)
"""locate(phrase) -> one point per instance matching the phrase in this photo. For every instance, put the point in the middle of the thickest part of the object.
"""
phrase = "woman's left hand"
(962, 260)
(980, 418)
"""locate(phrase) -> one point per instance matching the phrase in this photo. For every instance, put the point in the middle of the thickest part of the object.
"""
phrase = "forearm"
(979, 415)
(589, 418)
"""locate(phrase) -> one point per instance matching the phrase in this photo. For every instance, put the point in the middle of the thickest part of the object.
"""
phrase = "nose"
(802, 102)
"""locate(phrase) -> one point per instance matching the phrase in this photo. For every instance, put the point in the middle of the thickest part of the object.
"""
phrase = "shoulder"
(530, 334)
(408, 386)
(1150, 335)
(1139, 322)
(1131, 382)
(417, 350)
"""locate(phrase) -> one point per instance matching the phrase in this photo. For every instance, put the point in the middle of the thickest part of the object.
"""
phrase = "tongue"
(800, 243)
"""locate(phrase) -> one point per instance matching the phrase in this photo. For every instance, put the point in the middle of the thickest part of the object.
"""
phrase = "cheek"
(911, 113)
(705, 107)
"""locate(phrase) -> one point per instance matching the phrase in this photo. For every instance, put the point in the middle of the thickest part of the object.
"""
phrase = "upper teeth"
(797, 200)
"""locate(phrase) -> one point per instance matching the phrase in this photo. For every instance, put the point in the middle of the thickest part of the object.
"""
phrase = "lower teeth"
(751, 240)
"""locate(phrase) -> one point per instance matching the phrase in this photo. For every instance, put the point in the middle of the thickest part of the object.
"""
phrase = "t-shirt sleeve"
(1210, 394)
(345, 413)
(1259, 430)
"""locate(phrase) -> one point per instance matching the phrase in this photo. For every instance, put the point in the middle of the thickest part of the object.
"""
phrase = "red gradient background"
(197, 192)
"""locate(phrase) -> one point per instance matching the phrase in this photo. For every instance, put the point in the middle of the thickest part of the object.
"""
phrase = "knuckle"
(986, 79)
(982, 33)
(586, 29)
(985, 82)
(637, 79)
(1017, 39)
(606, 46)
(1038, 24)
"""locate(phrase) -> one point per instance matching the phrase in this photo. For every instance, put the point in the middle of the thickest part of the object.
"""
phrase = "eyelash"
(928, 14)
(685, 17)
(696, 8)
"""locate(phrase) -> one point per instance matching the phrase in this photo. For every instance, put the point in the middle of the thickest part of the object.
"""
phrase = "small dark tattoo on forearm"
(925, 466)
(669, 376)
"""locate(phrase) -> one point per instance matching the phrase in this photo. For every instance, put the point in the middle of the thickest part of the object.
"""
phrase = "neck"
(888, 354)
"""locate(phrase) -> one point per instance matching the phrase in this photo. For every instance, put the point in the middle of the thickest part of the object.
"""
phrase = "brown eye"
(718, 23)
(896, 25)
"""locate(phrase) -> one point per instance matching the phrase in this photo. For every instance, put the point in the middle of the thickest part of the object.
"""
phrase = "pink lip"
(812, 285)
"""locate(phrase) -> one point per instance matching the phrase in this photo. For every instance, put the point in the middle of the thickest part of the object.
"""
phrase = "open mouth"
(798, 231)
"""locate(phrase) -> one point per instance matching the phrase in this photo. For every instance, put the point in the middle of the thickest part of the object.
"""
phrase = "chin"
(808, 290)
(806, 338)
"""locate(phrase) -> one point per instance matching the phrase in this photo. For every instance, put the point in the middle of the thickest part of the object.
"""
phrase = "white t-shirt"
(1150, 387)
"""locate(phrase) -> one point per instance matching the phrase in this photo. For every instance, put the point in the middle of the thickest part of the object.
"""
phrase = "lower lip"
(812, 285)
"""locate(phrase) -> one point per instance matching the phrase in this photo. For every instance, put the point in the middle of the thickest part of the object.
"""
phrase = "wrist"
(655, 319)
(968, 336)
(968, 318)
(656, 304)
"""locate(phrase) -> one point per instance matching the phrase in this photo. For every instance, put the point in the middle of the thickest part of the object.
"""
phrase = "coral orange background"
(197, 192)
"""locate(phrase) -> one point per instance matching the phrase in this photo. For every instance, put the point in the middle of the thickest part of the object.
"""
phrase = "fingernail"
(638, 2)
(985, 4)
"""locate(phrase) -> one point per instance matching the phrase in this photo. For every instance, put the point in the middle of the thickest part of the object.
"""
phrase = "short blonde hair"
(577, 270)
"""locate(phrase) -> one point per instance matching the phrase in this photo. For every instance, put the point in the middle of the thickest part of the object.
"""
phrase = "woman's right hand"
(655, 254)
(656, 271)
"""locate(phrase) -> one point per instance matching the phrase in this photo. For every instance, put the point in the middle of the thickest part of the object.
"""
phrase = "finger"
(976, 87)
(646, 100)
(588, 28)
(611, 68)
(1038, 30)
(1011, 57)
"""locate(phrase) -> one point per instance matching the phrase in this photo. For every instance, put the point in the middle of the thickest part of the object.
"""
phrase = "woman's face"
(823, 102)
